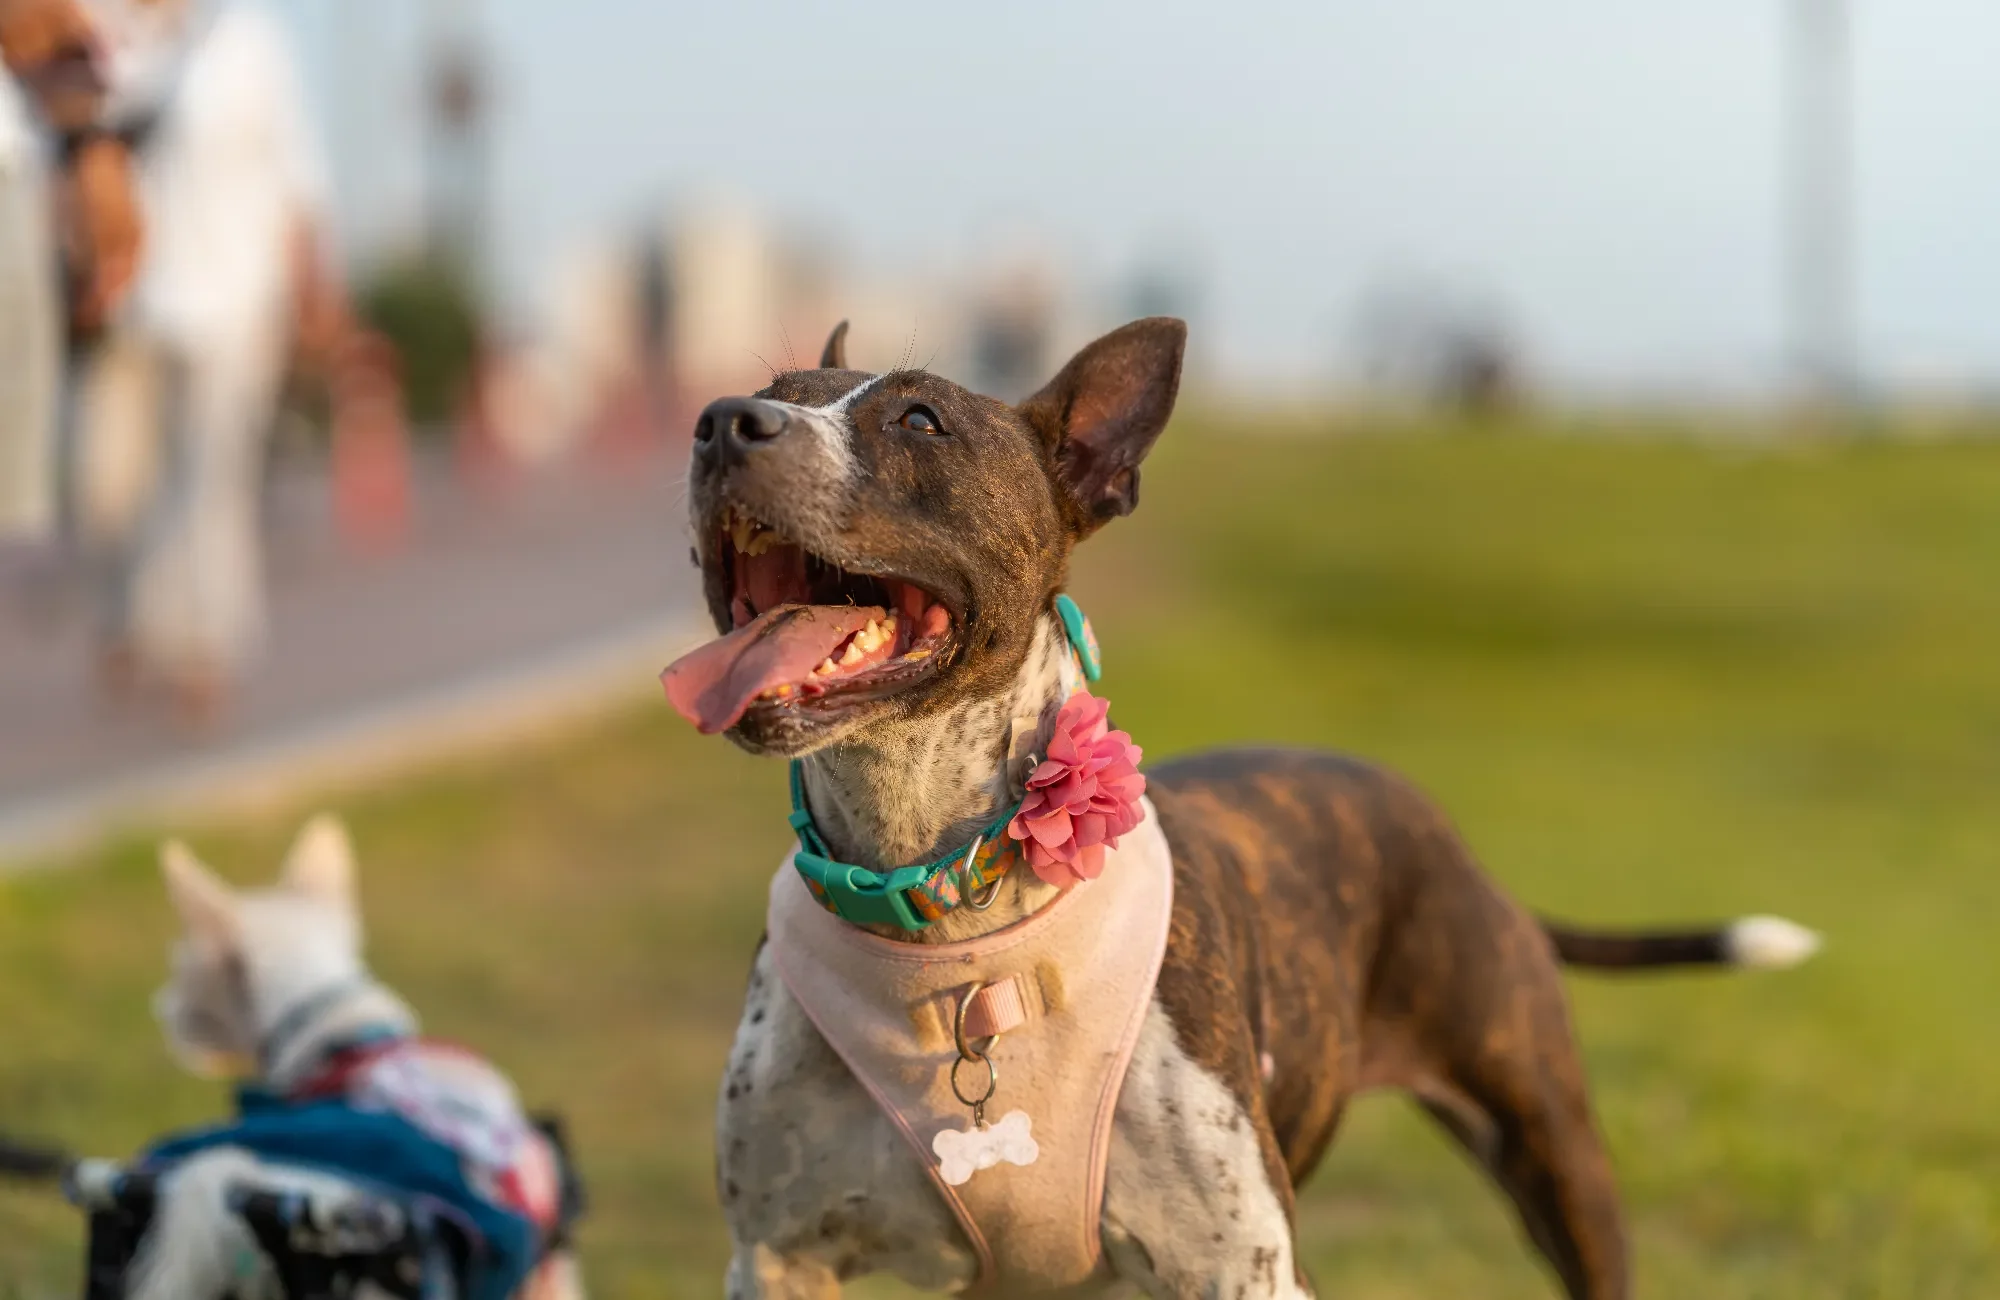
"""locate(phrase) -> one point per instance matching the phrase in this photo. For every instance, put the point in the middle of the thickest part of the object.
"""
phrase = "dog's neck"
(306, 1031)
(915, 790)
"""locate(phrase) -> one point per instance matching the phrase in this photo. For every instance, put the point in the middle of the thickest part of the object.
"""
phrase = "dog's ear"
(321, 862)
(1102, 413)
(834, 355)
(206, 903)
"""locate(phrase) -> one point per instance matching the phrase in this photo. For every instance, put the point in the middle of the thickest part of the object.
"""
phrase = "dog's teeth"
(759, 543)
(918, 654)
(855, 654)
(825, 666)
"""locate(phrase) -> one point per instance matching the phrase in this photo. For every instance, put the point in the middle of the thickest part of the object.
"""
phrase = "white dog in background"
(269, 984)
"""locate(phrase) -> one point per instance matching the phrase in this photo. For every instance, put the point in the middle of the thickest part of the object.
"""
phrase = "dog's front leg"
(815, 1182)
(1189, 1209)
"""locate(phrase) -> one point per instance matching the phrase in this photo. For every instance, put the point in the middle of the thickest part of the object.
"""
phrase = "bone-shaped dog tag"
(963, 1154)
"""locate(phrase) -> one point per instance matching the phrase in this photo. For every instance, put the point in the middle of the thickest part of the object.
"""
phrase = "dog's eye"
(921, 419)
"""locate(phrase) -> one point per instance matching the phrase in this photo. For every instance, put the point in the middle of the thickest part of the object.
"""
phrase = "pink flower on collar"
(1082, 797)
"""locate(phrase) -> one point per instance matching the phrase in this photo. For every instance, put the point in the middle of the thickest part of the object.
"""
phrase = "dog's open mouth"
(806, 634)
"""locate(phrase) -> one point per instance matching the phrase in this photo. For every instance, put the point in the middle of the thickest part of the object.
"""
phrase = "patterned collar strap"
(913, 897)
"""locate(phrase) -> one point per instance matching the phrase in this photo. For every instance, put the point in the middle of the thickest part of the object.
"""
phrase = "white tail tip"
(1770, 943)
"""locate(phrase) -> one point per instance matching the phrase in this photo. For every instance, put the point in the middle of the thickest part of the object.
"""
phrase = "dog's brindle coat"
(1330, 933)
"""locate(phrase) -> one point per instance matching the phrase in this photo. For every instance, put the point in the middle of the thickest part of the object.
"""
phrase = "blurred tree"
(429, 311)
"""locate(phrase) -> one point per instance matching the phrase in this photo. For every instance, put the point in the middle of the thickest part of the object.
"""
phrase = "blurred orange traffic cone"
(371, 447)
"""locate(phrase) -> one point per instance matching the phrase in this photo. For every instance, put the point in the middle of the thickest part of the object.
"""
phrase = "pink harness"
(1061, 994)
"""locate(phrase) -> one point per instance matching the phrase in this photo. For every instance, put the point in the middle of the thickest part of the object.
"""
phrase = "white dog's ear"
(321, 863)
(206, 903)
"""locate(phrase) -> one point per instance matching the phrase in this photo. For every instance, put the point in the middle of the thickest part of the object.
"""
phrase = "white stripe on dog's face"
(835, 429)
(840, 407)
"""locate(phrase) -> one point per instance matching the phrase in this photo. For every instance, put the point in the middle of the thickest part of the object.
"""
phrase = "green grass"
(1650, 679)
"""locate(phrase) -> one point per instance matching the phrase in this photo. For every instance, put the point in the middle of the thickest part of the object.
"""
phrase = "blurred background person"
(69, 234)
(171, 407)
(29, 355)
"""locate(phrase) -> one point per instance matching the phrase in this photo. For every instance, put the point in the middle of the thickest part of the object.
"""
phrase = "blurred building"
(739, 301)
(714, 298)
(551, 394)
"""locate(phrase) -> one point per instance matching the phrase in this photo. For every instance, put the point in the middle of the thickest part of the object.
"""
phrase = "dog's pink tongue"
(712, 685)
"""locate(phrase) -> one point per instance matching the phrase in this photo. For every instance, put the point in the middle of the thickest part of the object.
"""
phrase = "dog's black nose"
(739, 421)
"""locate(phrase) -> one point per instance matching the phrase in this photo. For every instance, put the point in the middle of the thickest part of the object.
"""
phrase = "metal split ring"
(992, 1082)
(970, 1055)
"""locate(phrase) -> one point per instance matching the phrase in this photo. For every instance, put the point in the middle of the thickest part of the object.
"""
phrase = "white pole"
(1821, 235)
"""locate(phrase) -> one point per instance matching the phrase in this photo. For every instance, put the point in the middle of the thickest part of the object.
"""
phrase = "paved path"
(503, 606)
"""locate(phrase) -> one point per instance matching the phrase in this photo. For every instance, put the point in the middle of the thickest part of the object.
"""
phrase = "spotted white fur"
(815, 1182)
(1189, 1209)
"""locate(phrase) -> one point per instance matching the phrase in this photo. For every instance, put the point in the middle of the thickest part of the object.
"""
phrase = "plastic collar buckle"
(861, 896)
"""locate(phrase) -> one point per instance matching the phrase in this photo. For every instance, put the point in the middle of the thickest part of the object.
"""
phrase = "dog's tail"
(32, 1161)
(1750, 943)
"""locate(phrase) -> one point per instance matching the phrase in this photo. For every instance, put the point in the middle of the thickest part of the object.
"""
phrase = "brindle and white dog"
(1330, 932)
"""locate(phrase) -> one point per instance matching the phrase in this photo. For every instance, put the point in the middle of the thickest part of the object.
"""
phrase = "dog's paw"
(961, 1154)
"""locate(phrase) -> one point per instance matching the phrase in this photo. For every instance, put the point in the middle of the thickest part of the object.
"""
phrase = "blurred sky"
(1608, 172)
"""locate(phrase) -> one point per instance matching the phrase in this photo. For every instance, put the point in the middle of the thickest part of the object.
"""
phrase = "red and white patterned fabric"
(457, 1098)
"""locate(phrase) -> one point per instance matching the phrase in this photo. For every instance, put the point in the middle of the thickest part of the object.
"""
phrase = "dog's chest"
(1024, 1172)
(809, 1168)
(807, 1164)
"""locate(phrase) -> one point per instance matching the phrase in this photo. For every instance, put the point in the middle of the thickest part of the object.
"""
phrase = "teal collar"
(913, 897)
(910, 897)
